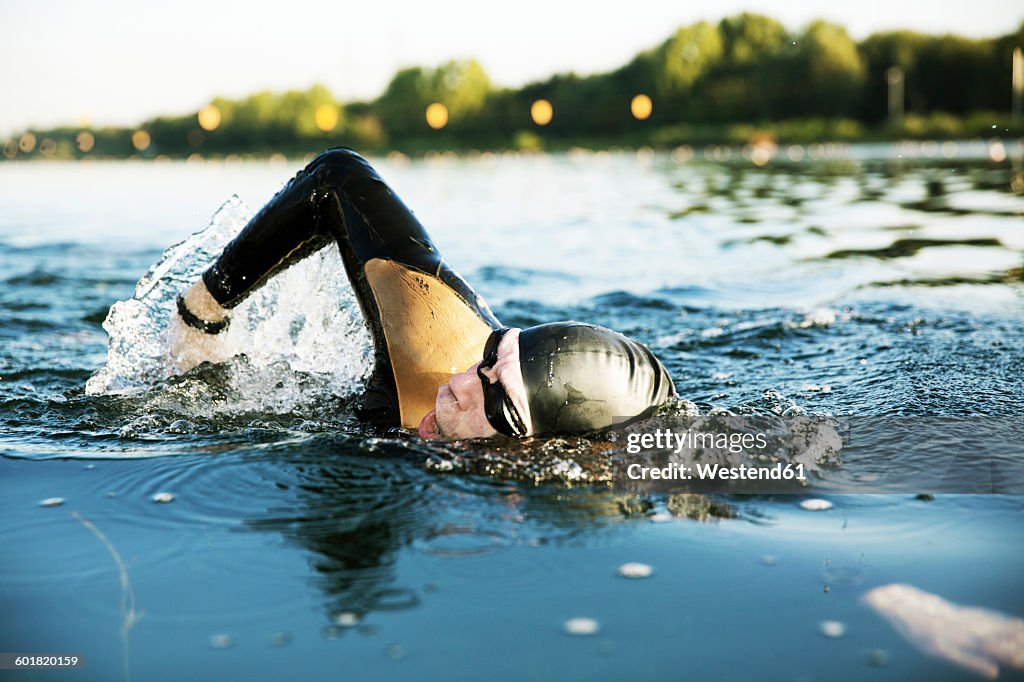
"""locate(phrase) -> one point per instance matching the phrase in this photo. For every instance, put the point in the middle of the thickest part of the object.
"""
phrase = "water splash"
(297, 340)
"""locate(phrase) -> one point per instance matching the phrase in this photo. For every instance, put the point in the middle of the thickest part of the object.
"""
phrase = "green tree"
(296, 111)
(404, 101)
(970, 65)
(832, 69)
(748, 38)
(881, 51)
(740, 86)
(462, 86)
(685, 57)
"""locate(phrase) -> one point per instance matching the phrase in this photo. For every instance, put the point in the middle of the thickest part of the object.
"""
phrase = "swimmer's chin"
(428, 426)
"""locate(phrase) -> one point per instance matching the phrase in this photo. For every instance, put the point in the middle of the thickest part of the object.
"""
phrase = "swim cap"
(581, 378)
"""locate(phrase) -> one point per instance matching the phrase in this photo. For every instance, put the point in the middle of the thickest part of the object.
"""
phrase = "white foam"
(299, 338)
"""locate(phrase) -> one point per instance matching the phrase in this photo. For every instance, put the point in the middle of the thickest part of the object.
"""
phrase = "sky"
(118, 62)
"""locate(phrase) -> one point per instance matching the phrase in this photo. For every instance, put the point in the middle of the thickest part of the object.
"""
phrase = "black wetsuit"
(426, 322)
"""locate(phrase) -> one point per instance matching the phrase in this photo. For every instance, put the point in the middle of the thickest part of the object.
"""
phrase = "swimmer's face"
(459, 411)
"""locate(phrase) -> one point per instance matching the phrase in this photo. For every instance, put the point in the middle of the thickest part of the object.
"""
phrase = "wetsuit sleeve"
(426, 322)
(285, 231)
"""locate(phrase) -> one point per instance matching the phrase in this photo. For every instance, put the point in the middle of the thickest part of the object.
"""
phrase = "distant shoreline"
(744, 80)
(756, 143)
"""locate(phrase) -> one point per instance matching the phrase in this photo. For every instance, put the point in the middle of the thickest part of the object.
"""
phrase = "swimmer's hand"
(196, 331)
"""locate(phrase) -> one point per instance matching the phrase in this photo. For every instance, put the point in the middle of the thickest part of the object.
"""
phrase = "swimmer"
(444, 364)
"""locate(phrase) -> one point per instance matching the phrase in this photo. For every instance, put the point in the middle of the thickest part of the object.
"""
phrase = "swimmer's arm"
(282, 233)
(195, 334)
(200, 304)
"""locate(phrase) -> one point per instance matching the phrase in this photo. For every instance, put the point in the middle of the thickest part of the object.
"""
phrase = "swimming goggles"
(498, 406)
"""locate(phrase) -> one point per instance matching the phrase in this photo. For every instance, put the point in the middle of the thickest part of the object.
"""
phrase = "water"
(298, 542)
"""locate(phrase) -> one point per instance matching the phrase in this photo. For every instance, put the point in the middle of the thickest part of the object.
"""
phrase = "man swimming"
(444, 364)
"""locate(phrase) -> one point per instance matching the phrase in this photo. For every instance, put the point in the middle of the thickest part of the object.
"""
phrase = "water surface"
(300, 542)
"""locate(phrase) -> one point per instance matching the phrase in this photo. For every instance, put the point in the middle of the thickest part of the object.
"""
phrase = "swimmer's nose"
(464, 386)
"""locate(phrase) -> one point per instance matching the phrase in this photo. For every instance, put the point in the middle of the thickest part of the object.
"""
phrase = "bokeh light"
(641, 107)
(893, 75)
(542, 112)
(996, 150)
(682, 153)
(85, 141)
(437, 116)
(326, 117)
(141, 140)
(209, 117)
(760, 154)
(399, 159)
(27, 142)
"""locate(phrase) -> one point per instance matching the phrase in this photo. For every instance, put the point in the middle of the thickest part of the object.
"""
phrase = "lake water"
(878, 282)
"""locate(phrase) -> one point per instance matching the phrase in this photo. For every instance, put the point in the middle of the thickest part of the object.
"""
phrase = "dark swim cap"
(581, 378)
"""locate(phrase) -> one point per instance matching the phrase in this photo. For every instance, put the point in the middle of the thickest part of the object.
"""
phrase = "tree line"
(705, 81)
